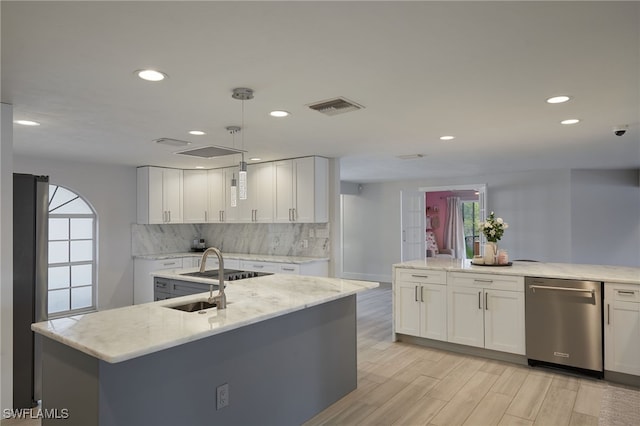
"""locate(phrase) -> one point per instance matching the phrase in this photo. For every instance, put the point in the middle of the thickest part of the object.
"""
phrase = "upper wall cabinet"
(259, 205)
(283, 191)
(219, 195)
(302, 190)
(195, 205)
(159, 195)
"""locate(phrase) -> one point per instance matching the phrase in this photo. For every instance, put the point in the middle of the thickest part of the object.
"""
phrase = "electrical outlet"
(222, 396)
(305, 243)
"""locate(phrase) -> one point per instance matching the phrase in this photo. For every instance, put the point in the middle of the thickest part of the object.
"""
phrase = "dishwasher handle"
(548, 287)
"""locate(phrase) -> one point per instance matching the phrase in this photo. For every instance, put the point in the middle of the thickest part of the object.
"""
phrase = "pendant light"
(243, 94)
(234, 183)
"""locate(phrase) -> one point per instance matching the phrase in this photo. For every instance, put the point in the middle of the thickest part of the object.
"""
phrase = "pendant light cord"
(243, 130)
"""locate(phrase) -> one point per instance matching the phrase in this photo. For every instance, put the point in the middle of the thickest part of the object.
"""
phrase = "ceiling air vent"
(335, 106)
(210, 151)
(171, 142)
(410, 156)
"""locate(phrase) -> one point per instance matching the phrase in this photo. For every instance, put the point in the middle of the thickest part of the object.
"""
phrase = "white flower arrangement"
(493, 228)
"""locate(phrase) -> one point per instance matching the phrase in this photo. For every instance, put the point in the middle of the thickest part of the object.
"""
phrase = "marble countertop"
(606, 273)
(240, 256)
(121, 334)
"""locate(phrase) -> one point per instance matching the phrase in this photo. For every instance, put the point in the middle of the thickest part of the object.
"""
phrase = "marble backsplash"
(278, 239)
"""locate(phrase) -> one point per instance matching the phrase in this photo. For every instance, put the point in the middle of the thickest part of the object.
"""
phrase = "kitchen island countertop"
(121, 334)
(572, 271)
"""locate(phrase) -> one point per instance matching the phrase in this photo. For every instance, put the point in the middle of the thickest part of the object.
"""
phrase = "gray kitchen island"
(282, 351)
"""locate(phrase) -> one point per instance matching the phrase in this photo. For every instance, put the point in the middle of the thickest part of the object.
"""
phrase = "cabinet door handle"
(477, 280)
(288, 269)
(421, 293)
(205, 216)
(169, 215)
(486, 302)
(415, 293)
(479, 300)
(258, 266)
(627, 292)
(161, 285)
(295, 215)
(420, 276)
(608, 314)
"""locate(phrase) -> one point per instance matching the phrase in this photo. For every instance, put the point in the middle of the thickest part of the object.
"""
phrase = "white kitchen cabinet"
(420, 303)
(486, 311)
(504, 321)
(143, 281)
(195, 196)
(159, 198)
(259, 205)
(622, 328)
(219, 195)
(301, 190)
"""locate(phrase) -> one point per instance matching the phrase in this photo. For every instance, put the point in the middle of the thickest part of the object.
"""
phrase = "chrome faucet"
(220, 299)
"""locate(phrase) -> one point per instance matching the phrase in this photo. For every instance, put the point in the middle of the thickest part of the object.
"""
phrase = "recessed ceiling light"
(447, 138)
(570, 121)
(255, 159)
(27, 122)
(197, 132)
(151, 75)
(558, 99)
(279, 114)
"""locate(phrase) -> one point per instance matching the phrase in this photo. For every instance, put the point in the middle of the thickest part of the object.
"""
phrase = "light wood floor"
(403, 384)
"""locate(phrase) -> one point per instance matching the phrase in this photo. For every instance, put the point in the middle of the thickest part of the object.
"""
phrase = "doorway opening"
(442, 222)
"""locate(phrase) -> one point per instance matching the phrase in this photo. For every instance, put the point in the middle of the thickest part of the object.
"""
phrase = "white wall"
(111, 190)
(6, 256)
(605, 217)
(543, 209)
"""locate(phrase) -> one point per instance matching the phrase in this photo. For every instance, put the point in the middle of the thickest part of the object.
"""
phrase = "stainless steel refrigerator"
(30, 260)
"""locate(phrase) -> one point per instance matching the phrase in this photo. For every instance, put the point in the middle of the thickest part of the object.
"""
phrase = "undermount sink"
(196, 306)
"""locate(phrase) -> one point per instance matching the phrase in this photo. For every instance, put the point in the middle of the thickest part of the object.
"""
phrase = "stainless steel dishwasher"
(563, 322)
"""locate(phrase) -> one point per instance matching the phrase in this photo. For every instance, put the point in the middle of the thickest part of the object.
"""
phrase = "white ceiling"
(478, 70)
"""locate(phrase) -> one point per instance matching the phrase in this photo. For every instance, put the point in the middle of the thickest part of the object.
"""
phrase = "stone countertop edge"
(572, 271)
(121, 334)
(238, 256)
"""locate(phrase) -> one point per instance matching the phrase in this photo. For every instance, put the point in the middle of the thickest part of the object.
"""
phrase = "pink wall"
(437, 200)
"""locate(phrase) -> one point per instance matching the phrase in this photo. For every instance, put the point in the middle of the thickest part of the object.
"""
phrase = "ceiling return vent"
(171, 142)
(335, 106)
(210, 151)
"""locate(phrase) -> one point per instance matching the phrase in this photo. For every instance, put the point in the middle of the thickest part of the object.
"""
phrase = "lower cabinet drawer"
(185, 289)
(497, 282)
(625, 293)
(423, 276)
(161, 295)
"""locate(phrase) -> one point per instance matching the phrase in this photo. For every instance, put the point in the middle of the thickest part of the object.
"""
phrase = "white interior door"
(412, 218)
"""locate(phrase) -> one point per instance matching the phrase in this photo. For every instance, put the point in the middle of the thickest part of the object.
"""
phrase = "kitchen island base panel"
(280, 371)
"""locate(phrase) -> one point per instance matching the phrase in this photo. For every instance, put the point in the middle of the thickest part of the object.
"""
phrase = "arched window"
(72, 253)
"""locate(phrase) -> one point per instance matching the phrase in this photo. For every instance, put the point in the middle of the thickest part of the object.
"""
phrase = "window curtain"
(454, 229)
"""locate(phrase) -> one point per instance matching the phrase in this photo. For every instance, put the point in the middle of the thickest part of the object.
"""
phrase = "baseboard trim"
(622, 378)
(463, 349)
(366, 277)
